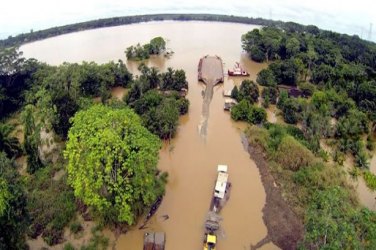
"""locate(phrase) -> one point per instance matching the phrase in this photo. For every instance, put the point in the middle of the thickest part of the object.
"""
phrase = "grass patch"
(75, 227)
(370, 180)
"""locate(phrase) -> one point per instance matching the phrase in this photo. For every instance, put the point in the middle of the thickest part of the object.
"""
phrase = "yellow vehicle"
(210, 242)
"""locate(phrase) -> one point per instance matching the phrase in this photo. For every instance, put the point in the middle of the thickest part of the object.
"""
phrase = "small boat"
(154, 241)
(237, 71)
(221, 189)
(229, 103)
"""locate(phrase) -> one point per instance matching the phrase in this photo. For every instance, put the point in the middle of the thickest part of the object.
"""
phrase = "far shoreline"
(33, 36)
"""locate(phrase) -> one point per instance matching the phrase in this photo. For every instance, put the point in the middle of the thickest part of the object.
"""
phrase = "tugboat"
(237, 71)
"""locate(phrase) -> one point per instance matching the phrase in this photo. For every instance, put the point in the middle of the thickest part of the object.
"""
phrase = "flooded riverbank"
(189, 159)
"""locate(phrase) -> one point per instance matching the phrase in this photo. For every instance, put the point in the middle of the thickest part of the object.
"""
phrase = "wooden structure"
(154, 241)
(210, 70)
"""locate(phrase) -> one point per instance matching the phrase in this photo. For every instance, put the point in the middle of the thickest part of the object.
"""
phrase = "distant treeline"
(115, 21)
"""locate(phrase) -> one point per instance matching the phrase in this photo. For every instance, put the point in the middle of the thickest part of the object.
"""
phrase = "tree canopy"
(112, 162)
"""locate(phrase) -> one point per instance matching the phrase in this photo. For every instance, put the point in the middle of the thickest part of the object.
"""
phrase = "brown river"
(189, 159)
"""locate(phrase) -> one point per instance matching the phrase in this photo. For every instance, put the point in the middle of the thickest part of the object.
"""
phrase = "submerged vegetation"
(156, 46)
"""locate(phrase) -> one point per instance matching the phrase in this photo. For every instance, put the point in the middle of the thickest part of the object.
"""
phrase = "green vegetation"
(248, 112)
(51, 205)
(318, 193)
(141, 52)
(247, 95)
(336, 72)
(370, 180)
(48, 99)
(75, 227)
(13, 213)
(8, 143)
(112, 162)
(248, 91)
(159, 109)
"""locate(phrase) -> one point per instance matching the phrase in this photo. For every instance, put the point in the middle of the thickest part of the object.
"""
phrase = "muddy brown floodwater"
(189, 159)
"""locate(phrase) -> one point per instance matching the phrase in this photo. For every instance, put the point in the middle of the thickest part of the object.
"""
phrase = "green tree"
(112, 162)
(13, 214)
(271, 94)
(31, 139)
(244, 111)
(292, 46)
(290, 111)
(248, 91)
(332, 223)
(266, 78)
(157, 45)
(8, 143)
(235, 93)
(163, 120)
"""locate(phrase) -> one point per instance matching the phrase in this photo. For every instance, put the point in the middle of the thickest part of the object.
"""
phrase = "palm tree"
(9, 144)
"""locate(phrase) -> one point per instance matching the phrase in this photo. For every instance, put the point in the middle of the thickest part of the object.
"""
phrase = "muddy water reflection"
(189, 160)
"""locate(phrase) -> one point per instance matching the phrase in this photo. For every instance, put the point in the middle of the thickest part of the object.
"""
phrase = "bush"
(292, 155)
(75, 227)
(183, 106)
(69, 246)
(249, 113)
(370, 180)
(307, 88)
(271, 94)
(266, 78)
(258, 136)
(257, 54)
(248, 91)
(290, 109)
(370, 143)
(51, 205)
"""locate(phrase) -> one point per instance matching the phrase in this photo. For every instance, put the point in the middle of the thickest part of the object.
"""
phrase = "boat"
(220, 196)
(237, 71)
(154, 241)
(221, 189)
(229, 103)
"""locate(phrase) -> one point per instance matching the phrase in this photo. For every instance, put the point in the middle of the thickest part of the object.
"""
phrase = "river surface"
(189, 159)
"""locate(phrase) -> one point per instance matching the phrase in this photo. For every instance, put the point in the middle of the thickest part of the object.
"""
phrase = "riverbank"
(117, 21)
(284, 228)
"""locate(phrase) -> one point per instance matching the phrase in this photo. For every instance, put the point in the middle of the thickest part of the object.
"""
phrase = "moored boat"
(237, 71)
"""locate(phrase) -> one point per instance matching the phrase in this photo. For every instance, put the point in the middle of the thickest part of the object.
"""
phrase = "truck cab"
(210, 242)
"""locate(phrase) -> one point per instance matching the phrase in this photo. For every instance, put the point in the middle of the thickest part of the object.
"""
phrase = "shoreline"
(284, 228)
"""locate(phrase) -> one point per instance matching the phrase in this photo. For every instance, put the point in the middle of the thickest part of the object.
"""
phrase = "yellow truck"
(210, 242)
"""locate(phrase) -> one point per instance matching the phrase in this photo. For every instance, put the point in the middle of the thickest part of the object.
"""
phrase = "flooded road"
(189, 159)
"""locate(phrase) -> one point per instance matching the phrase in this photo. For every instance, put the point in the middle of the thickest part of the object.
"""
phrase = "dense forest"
(49, 114)
(324, 86)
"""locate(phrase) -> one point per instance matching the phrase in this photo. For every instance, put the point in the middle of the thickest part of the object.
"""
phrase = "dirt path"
(284, 227)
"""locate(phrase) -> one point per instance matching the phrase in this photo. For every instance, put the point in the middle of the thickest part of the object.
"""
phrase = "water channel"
(189, 159)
